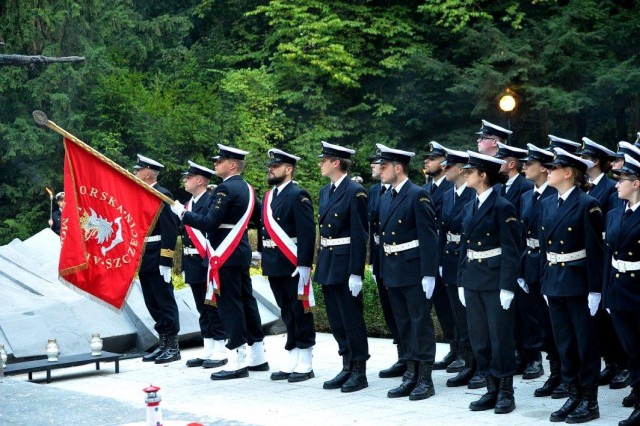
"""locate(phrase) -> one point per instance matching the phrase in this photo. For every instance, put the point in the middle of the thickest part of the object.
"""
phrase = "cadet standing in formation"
(155, 270)
(194, 267)
(56, 216)
(287, 257)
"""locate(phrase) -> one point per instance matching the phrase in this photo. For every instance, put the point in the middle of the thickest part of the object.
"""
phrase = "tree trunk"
(23, 60)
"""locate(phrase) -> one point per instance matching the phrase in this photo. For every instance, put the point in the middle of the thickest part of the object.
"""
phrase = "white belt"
(153, 239)
(327, 242)
(226, 226)
(557, 257)
(272, 244)
(533, 243)
(624, 266)
(391, 248)
(474, 255)
(455, 238)
(190, 250)
(376, 239)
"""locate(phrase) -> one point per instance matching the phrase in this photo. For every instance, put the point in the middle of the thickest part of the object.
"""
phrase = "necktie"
(383, 190)
(433, 188)
(455, 197)
(627, 213)
(475, 206)
(536, 196)
(275, 193)
(333, 189)
(393, 193)
(560, 202)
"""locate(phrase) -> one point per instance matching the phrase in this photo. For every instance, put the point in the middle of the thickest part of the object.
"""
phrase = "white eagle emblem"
(101, 229)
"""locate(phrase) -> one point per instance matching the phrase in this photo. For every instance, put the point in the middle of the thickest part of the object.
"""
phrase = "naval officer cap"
(593, 149)
(197, 169)
(543, 156)
(436, 150)
(278, 156)
(566, 159)
(373, 159)
(147, 163)
(60, 196)
(455, 157)
(631, 166)
(505, 151)
(637, 143)
(229, 152)
(485, 162)
(392, 154)
(566, 144)
(337, 151)
(490, 129)
(627, 148)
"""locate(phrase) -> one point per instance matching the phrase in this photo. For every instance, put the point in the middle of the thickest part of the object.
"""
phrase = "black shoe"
(561, 392)
(171, 353)
(488, 400)
(628, 400)
(300, 377)
(569, 406)
(397, 369)
(476, 382)
(409, 381)
(358, 378)
(162, 345)
(261, 367)
(506, 403)
(228, 375)
(195, 362)
(588, 408)
(533, 371)
(620, 380)
(341, 377)
(456, 366)
(607, 374)
(214, 363)
(444, 362)
(634, 418)
(552, 382)
(461, 379)
(424, 389)
(280, 375)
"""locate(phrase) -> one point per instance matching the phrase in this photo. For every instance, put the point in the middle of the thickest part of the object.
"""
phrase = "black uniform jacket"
(407, 217)
(293, 211)
(193, 266)
(340, 215)
(519, 186)
(161, 252)
(452, 222)
(374, 227)
(436, 197)
(622, 289)
(578, 224)
(602, 192)
(56, 217)
(493, 226)
(530, 218)
(229, 202)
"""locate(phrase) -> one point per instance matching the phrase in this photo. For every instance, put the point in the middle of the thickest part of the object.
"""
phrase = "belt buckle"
(621, 266)
(470, 254)
(553, 258)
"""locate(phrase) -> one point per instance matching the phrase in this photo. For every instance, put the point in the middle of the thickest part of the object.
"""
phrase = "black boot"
(358, 378)
(569, 405)
(171, 352)
(561, 392)
(342, 377)
(396, 370)
(448, 358)
(162, 345)
(456, 366)
(463, 377)
(607, 374)
(488, 400)
(634, 418)
(533, 371)
(477, 382)
(588, 408)
(409, 381)
(628, 400)
(424, 389)
(552, 382)
(506, 402)
(620, 380)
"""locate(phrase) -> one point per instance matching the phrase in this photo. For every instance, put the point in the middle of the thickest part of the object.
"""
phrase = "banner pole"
(41, 119)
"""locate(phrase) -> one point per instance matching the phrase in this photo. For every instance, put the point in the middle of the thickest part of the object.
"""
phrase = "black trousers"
(440, 300)
(346, 320)
(461, 332)
(387, 312)
(491, 333)
(576, 339)
(530, 330)
(301, 332)
(627, 325)
(210, 322)
(610, 346)
(238, 308)
(412, 311)
(161, 303)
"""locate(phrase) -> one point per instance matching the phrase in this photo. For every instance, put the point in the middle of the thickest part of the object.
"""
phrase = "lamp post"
(507, 104)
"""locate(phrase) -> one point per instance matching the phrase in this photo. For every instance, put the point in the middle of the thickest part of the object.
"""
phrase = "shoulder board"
(222, 194)
(305, 199)
(424, 200)
(595, 209)
(511, 219)
(361, 194)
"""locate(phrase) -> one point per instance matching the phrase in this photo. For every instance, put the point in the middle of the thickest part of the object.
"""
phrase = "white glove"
(184, 277)
(546, 299)
(506, 297)
(428, 285)
(461, 296)
(165, 271)
(177, 208)
(355, 284)
(304, 272)
(609, 311)
(594, 300)
(440, 271)
(256, 255)
(375, 280)
(523, 285)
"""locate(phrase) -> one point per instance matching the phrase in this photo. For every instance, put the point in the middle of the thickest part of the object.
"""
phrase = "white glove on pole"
(256, 255)
(304, 273)
(355, 284)
(594, 300)
(178, 209)
(461, 296)
(523, 285)
(428, 285)
(506, 297)
(165, 271)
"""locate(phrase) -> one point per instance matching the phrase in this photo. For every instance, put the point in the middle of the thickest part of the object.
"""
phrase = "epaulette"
(511, 219)
(595, 209)
(424, 200)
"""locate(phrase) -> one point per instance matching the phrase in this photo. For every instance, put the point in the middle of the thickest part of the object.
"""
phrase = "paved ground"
(81, 395)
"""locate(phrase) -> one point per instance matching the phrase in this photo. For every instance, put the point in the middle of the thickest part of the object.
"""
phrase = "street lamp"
(507, 103)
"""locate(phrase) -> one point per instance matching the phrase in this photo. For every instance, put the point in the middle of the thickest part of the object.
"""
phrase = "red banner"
(104, 223)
